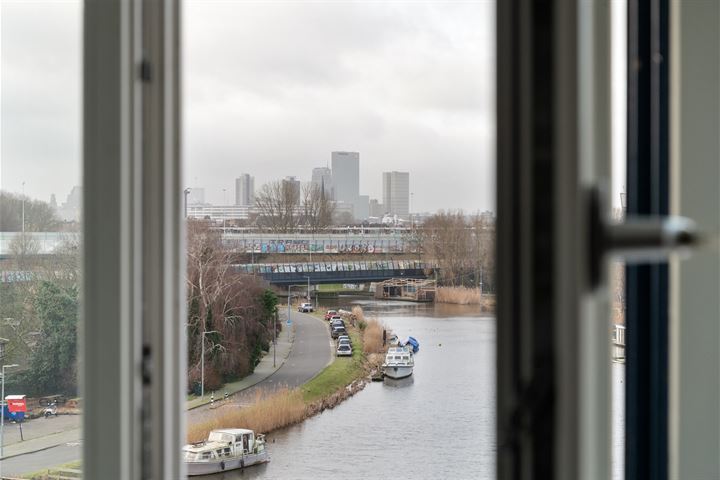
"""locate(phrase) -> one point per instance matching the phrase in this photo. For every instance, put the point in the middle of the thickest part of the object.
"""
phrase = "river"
(439, 423)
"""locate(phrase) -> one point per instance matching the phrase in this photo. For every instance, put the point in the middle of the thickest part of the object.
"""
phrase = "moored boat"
(399, 362)
(225, 449)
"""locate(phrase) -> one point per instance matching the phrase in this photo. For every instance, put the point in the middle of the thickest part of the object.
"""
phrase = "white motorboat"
(399, 362)
(225, 449)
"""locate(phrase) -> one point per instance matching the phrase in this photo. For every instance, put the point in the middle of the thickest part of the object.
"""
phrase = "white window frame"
(132, 335)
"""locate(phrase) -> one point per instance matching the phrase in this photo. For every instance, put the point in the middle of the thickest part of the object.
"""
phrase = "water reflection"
(399, 382)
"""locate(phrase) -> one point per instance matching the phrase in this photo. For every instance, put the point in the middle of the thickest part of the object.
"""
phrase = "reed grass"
(269, 412)
(359, 314)
(373, 337)
(458, 295)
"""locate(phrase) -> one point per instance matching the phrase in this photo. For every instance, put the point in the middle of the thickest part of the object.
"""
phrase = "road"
(311, 352)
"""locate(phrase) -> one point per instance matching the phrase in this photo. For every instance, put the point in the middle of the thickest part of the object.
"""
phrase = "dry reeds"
(458, 295)
(373, 337)
(359, 314)
(280, 409)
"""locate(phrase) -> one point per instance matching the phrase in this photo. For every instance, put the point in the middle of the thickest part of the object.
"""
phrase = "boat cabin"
(398, 356)
(220, 444)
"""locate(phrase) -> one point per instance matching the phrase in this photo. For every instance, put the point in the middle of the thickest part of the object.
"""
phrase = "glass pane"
(365, 129)
(40, 233)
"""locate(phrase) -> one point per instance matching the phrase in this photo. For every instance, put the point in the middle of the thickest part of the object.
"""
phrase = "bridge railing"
(318, 267)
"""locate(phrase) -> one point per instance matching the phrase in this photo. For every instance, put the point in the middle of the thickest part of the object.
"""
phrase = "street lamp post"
(2, 404)
(23, 210)
(202, 363)
(288, 319)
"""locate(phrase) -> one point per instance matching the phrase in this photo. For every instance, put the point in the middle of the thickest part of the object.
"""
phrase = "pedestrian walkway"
(269, 364)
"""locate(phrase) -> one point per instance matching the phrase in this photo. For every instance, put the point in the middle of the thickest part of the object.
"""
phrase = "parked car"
(338, 321)
(305, 307)
(335, 317)
(330, 314)
(343, 337)
(337, 331)
(344, 342)
(344, 351)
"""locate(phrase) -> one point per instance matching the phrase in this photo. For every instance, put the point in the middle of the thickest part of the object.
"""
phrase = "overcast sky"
(271, 88)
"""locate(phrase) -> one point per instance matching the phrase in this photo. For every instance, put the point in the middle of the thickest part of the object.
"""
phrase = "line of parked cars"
(339, 333)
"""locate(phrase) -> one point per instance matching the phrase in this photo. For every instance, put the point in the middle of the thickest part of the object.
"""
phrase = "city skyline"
(411, 88)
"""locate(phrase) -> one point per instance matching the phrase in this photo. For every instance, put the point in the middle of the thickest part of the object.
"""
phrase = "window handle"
(642, 239)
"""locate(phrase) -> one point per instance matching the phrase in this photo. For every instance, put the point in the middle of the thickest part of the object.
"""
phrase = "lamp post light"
(2, 404)
(202, 363)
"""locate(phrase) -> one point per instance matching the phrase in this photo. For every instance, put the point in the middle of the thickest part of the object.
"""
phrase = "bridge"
(337, 272)
(249, 241)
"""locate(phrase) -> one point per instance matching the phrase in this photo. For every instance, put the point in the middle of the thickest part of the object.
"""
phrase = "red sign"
(16, 404)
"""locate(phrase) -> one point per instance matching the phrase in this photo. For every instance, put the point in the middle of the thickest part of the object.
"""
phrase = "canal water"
(439, 423)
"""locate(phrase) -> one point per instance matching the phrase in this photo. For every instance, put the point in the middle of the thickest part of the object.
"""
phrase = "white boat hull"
(231, 463)
(399, 371)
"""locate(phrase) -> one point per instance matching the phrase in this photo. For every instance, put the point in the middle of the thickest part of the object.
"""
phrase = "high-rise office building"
(245, 190)
(322, 178)
(396, 193)
(294, 184)
(377, 209)
(346, 176)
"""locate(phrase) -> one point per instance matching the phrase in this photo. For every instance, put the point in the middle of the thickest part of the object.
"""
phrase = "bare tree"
(39, 216)
(278, 203)
(317, 208)
(225, 310)
(24, 249)
(483, 234)
(447, 239)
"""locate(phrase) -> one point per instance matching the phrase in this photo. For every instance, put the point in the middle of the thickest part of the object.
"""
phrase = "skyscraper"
(293, 184)
(245, 190)
(346, 176)
(396, 193)
(322, 178)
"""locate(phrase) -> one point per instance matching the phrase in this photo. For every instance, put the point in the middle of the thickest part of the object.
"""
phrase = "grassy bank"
(338, 381)
(62, 471)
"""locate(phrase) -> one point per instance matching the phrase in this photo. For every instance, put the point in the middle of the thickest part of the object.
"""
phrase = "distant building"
(294, 184)
(322, 178)
(346, 176)
(71, 209)
(396, 193)
(245, 190)
(362, 208)
(196, 196)
(377, 209)
(487, 218)
(218, 213)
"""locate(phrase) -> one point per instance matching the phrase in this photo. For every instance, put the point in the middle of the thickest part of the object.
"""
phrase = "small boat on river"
(399, 362)
(226, 449)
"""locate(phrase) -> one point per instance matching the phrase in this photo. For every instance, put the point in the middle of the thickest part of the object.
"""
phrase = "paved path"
(311, 352)
(301, 356)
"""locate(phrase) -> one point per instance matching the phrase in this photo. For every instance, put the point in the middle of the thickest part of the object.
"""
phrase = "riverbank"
(271, 411)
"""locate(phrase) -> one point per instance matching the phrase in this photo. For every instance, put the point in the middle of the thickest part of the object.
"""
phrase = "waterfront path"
(310, 354)
(303, 351)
